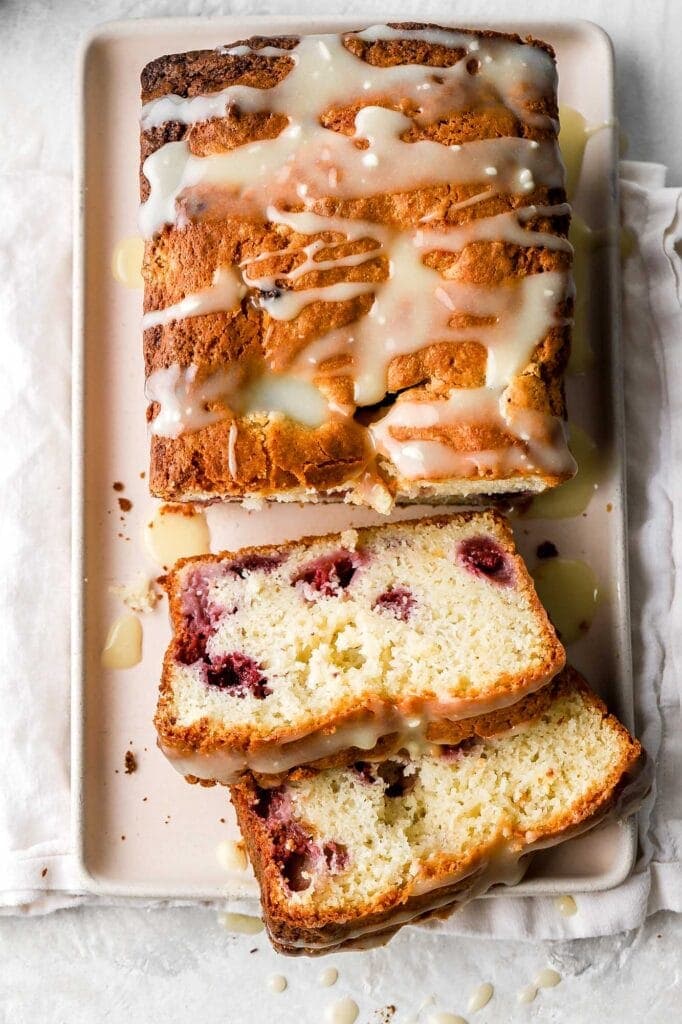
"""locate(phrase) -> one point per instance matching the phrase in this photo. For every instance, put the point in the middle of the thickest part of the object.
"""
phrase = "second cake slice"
(323, 649)
(348, 855)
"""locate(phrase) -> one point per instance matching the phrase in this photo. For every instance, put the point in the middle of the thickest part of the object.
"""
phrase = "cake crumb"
(186, 509)
(349, 539)
(130, 762)
(43, 872)
(122, 837)
(118, 486)
(139, 596)
(547, 550)
(384, 1015)
(125, 504)
(142, 475)
(609, 507)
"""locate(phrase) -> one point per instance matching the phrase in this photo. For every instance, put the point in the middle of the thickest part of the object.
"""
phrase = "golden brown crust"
(206, 736)
(331, 459)
(303, 931)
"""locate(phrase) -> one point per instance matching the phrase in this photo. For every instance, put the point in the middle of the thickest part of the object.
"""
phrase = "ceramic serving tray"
(148, 833)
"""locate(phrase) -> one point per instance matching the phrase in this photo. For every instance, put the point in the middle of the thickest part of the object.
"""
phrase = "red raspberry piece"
(484, 557)
(238, 674)
(396, 601)
(328, 575)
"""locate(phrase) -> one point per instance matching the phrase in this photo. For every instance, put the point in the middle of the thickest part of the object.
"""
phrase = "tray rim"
(119, 29)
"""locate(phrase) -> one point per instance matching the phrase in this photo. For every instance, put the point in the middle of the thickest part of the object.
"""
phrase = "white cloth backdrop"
(35, 243)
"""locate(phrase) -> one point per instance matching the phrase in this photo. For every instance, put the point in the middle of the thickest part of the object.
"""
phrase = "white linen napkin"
(37, 868)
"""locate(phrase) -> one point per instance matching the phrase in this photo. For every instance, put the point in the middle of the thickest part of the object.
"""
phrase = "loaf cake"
(343, 646)
(350, 852)
(357, 272)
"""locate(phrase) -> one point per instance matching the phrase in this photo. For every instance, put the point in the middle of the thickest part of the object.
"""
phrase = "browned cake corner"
(332, 648)
(380, 314)
(308, 840)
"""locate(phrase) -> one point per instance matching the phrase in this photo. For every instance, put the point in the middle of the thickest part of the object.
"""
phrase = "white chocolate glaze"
(411, 308)
(324, 71)
(573, 496)
(241, 924)
(176, 532)
(225, 293)
(574, 135)
(415, 305)
(183, 401)
(544, 447)
(126, 262)
(281, 393)
(547, 978)
(254, 171)
(504, 227)
(363, 732)
(480, 997)
(123, 645)
(241, 51)
(307, 266)
(345, 1011)
(232, 449)
(566, 906)
(289, 304)
(569, 590)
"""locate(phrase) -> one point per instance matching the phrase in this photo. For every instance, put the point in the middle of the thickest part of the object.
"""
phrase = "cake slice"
(349, 854)
(348, 645)
(357, 270)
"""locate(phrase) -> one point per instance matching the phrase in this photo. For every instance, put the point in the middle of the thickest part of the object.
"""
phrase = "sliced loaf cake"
(350, 852)
(347, 646)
